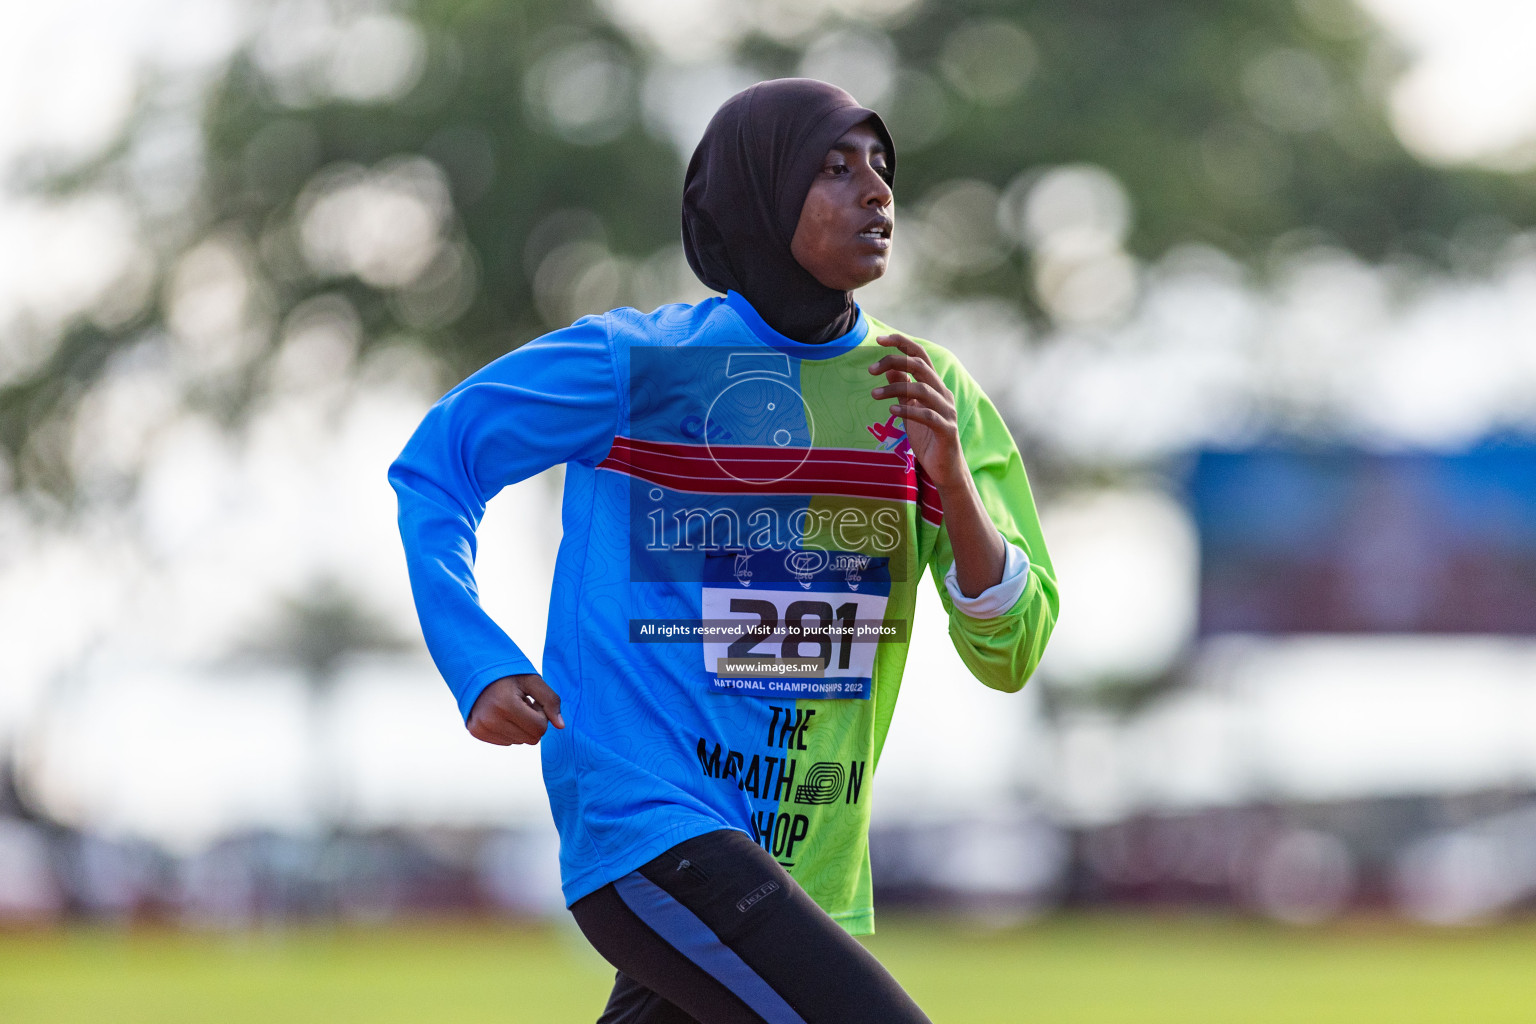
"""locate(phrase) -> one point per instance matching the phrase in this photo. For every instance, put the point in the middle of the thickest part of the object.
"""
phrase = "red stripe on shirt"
(763, 469)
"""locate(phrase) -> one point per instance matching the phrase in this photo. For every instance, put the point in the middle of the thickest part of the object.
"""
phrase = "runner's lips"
(880, 227)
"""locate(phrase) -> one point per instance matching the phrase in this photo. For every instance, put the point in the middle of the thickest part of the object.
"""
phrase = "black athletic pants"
(714, 931)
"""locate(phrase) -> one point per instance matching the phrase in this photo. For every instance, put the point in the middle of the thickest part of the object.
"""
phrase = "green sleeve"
(1002, 652)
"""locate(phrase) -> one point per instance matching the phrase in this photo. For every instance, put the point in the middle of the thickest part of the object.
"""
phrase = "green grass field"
(1102, 970)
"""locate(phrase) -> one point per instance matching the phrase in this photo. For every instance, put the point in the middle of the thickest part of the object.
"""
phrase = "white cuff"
(995, 600)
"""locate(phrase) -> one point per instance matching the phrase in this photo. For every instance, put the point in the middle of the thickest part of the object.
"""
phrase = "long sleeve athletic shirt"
(744, 532)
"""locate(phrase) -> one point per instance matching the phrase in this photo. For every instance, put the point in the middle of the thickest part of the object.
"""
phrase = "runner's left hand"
(927, 406)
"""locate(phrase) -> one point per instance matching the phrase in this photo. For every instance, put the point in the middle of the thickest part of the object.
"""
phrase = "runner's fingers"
(904, 344)
(545, 699)
(485, 735)
(919, 393)
(494, 727)
(911, 349)
(924, 415)
(920, 400)
(518, 716)
(924, 371)
(930, 376)
(919, 369)
(513, 708)
(893, 367)
(896, 361)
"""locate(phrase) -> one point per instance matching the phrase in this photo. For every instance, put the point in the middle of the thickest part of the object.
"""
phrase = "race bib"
(792, 625)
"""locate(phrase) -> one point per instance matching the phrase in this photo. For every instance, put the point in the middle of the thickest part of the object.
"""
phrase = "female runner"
(755, 485)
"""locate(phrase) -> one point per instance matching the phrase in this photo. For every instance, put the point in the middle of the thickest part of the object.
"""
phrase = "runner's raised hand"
(927, 406)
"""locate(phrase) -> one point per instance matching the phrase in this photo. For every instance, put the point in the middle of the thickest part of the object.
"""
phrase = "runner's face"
(844, 234)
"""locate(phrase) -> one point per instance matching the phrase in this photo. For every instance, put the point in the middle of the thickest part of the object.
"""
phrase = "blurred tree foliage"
(518, 175)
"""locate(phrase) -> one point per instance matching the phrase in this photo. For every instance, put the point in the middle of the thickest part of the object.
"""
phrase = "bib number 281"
(791, 642)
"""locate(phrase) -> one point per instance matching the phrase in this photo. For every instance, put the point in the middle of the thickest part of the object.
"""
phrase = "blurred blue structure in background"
(1348, 541)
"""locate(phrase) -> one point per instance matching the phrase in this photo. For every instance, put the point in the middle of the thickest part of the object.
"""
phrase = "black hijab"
(742, 197)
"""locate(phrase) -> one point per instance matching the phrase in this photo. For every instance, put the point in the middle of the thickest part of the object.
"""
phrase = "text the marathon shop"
(777, 776)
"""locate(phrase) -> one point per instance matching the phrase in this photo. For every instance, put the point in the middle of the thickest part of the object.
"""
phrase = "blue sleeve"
(554, 400)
